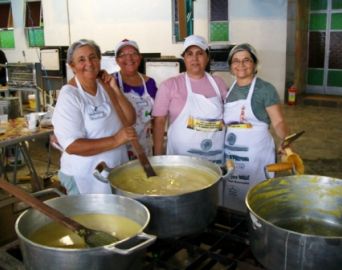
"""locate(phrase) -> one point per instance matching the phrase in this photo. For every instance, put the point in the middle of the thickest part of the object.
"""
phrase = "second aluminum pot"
(177, 215)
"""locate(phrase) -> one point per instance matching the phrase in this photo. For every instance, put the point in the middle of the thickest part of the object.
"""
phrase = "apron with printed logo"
(100, 120)
(198, 130)
(250, 145)
(143, 107)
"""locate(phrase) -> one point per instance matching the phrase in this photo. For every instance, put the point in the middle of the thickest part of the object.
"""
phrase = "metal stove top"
(224, 245)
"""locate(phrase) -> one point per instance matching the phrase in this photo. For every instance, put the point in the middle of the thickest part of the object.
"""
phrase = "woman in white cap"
(139, 89)
(86, 124)
(251, 105)
(192, 104)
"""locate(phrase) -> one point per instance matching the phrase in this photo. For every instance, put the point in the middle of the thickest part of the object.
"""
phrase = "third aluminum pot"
(296, 222)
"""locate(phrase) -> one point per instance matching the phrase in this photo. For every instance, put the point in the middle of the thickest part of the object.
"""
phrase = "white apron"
(198, 130)
(250, 145)
(100, 120)
(143, 107)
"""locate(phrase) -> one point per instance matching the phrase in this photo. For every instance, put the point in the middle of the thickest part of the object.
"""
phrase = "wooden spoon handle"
(135, 143)
(42, 207)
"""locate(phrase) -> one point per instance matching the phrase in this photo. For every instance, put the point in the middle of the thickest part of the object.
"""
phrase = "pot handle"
(101, 172)
(124, 248)
(48, 191)
(230, 166)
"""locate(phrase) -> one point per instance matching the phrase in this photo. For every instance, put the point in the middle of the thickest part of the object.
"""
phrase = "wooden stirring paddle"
(93, 238)
(145, 163)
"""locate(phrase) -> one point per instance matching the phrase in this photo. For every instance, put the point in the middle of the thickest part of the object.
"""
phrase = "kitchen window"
(6, 26)
(34, 24)
(218, 20)
(183, 21)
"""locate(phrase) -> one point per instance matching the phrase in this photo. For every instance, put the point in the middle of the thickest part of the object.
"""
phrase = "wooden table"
(17, 134)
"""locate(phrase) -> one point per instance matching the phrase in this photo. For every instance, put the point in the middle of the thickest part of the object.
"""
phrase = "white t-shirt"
(69, 125)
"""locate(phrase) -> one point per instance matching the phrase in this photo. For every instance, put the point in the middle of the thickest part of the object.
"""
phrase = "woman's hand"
(108, 80)
(125, 135)
(118, 98)
(104, 76)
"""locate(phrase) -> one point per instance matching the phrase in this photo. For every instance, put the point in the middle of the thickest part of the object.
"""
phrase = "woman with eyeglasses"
(191, 103)
(86, 124)
(139, 89)
(251, 106)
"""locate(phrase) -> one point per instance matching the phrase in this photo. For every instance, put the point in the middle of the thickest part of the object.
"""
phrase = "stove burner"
(224, 245)
(10, 257)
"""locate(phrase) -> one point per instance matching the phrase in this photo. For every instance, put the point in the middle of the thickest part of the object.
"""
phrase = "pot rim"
(214, 168)
(252, 212)
(138, 195)
(106, 247)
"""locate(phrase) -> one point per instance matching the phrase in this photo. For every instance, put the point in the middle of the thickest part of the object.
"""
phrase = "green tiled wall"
(336, 21)
(219, 31)
(335, 78)
(315, 76)
(7, 39)
(336, 4)
(318, 22)
(318, 4)
(36, 37)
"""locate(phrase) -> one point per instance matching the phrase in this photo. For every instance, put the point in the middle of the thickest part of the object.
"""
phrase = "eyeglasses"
(126, 55)
(244, 62)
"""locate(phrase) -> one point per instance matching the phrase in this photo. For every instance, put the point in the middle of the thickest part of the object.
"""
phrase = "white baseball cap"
(195, 40)
(124, 43)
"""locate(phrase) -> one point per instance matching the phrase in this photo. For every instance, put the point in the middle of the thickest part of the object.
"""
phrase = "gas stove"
(223, 245)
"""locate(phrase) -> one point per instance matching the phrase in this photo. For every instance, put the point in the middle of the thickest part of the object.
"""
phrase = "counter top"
(16, 130)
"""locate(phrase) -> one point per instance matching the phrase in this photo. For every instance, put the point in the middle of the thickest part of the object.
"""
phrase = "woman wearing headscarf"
(251, 106)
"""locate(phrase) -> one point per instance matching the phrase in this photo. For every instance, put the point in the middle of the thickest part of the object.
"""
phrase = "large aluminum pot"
(296, 222)
(177, 215)
(125, 254)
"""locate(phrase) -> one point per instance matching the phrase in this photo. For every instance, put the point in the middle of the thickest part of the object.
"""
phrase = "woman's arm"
(89, 147)
(278, 121)
(158, 134)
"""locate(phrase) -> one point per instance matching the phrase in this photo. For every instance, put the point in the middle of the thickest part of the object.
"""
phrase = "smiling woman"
(192, 103)
(85, 123)
(251, 105)
(139, 89)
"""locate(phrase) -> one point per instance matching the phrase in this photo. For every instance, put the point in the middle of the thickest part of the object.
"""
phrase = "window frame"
(9, 24)
(7, 29)
(182, 20)
(34, 29)
(210, 21)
